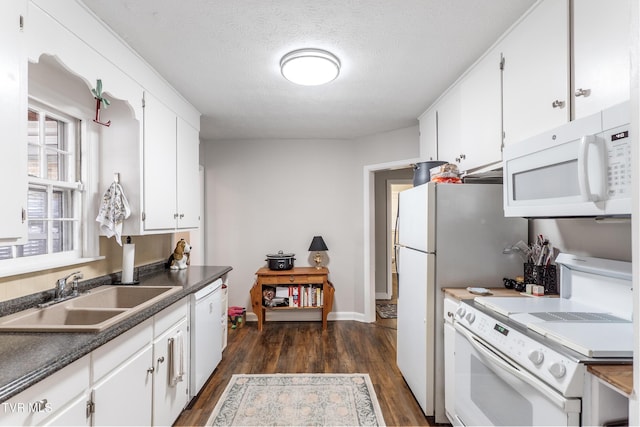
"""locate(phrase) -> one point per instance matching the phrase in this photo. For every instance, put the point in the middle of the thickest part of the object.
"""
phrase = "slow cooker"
(280, 261)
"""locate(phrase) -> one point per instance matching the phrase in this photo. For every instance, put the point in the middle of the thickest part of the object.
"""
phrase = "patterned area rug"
(387, 311)
(298, 400)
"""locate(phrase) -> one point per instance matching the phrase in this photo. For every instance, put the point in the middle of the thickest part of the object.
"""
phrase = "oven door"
(491, 390)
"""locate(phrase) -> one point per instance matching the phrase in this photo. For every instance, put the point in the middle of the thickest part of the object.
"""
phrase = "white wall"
(586, 236)
(268, 195)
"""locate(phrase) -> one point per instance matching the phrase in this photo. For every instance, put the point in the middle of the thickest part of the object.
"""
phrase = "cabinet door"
(188, 179)
(449, 119)
(169, 398)
(536, 72)
(51, 398)
(481, 104)
(73, 415)
(602, 41)
(13, 119)
(429, 135)
(124, 396)
(159, 165)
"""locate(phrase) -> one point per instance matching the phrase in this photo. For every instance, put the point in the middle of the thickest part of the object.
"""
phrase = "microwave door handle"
(583, 168)
(495, 360)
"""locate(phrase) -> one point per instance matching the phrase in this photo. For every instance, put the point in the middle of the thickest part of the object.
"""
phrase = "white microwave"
(582, 168)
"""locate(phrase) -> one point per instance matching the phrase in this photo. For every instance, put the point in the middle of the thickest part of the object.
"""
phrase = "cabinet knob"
(41, 405)
(292, 278)
(558, 104)
(583, 92)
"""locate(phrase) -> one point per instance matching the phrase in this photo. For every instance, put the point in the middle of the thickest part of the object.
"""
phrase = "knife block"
(542, 275)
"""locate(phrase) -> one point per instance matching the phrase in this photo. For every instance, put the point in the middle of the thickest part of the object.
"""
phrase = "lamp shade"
(317, 244)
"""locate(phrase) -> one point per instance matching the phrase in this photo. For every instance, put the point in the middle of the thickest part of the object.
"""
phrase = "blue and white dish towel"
(114, 209)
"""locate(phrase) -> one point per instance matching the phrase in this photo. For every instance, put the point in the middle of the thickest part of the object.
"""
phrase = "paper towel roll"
(128, 255)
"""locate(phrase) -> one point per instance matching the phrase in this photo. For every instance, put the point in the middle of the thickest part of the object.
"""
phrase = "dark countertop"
(28, 357)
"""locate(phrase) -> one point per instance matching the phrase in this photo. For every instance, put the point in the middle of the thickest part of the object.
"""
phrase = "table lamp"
(318, 245)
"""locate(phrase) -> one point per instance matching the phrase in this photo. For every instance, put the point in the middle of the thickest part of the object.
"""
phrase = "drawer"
(289, 279)
(109, 356)
(170, 316)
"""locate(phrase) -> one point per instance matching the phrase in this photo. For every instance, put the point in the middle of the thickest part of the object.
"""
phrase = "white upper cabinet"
(13, 120)
(536, 72)
(429, 135)
(187, 175)
(481, 125)
(449, 109)
(601, 44)
(171, 183)
(464, 126)
(159, 165)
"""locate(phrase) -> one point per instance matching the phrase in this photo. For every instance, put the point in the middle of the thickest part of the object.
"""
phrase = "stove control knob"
(470, 317)
(557, 370)
(460, 312)
(536, 356)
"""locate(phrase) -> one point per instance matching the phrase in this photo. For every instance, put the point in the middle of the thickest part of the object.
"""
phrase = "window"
(54, 198)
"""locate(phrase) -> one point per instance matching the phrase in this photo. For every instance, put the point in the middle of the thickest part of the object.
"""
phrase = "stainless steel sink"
(92, 312)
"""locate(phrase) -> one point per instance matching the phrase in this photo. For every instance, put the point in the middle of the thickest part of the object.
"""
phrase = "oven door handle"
(485, 350)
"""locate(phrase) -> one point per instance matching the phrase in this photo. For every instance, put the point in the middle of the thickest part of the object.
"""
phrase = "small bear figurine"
(179, 259)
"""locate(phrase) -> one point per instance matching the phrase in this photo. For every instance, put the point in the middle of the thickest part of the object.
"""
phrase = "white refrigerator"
(448, 235)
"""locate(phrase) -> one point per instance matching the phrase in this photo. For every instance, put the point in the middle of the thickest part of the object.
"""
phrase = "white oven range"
(522, 360)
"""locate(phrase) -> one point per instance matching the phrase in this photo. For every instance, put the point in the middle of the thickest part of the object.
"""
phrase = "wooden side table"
(296, 276)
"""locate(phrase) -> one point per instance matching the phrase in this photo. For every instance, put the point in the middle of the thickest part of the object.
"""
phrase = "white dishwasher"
(206, 334)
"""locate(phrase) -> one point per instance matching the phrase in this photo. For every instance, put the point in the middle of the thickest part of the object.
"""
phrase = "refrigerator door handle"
(396, 249)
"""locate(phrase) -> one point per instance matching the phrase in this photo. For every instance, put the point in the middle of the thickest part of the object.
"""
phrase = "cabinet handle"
(291, 278)
(151, 370)
(557, 104)
(460, 158)
(181, 216)
(449, 314)
(175, 216)
(160, 360)
(583, 92)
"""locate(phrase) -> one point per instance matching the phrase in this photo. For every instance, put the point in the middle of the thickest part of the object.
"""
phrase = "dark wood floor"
(302, 347)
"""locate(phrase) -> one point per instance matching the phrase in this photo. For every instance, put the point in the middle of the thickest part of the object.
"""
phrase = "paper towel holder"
(135, 273)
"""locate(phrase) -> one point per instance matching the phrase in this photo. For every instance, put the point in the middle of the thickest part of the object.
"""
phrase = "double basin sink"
(93, 311)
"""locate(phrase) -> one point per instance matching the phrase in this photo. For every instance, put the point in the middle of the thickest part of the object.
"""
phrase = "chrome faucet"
(61, 291)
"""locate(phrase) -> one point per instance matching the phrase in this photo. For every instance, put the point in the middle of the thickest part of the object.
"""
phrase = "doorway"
(387, 184)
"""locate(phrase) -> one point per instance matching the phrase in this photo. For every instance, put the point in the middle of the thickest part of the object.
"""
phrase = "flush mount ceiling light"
(310, 67)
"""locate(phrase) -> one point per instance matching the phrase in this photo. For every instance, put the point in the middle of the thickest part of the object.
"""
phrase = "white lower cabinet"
(133, 373)
(171, 368)
(121, 392)
(127, 381)
(123, 397)
(59, 399)
(74, 414)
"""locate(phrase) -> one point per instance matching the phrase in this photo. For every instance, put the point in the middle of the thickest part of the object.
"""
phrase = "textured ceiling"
(222, 56)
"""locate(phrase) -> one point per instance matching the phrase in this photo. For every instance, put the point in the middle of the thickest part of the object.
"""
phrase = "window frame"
(84, 158)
